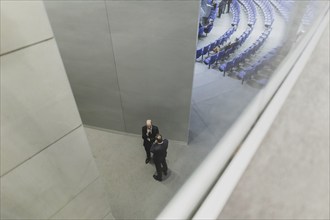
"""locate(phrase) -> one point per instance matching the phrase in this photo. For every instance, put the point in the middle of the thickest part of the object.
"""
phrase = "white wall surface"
(47, 168)
(86, 48)
(22, 29)
(128, 61)
(37, 103)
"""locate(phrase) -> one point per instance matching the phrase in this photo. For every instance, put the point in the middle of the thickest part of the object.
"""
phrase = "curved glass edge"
(201, 182)
(220, 193)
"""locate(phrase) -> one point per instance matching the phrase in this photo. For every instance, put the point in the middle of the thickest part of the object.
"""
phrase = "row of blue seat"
(246, 54)
(214, 59)
(287, 4)
(236, 11)
(219, 42)
(228, 49)
(242, 62)
(282, 7)
(267, 11)
(258, 65)
(251, 11)
(245, 35)
(235, 8)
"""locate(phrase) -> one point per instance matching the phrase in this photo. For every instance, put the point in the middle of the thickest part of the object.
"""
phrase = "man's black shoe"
(165, 173)
(157, 178)
(147, 160)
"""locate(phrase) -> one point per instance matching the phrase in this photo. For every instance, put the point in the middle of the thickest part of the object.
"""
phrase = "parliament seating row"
(235, 62)
(241, 63)
(251, 11)
(236, 11)
(267, 11)
(219, 42)
(228, 49)
(253, 69)
(283, 6)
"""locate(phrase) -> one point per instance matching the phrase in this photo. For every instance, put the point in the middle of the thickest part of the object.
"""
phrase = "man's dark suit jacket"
(159, 150)
(152, 136)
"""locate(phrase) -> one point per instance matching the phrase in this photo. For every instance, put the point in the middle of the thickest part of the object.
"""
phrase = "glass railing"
(301, 25)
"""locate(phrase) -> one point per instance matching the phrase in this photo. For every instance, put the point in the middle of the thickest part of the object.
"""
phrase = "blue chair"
(199, 53)
(205, 50)
(212, 46)
(230, 50)
(218, 42)
(223, 40)
(212, 15)
(211, 60)
(221, 55)
(200, 30)
(208, 29)
(226, 66)
(241, 75)
(239, 59)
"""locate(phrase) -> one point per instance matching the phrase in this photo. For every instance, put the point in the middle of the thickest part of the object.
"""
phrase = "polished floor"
(133, 192)
(216, 103)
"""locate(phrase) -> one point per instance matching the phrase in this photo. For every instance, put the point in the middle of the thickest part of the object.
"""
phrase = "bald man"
(149, 132)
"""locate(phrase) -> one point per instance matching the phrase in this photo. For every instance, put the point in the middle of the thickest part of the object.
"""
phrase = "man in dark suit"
(221, 8)
(149, 133)
(228, 5)
(159, 150)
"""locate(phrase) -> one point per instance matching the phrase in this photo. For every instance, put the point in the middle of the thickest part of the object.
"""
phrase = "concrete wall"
(47, 169)
(128, 61)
